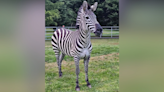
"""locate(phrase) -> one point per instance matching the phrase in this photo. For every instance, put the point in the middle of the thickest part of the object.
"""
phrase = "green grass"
(103, 69)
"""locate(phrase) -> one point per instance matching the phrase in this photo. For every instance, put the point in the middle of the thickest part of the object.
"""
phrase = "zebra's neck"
(84, 36)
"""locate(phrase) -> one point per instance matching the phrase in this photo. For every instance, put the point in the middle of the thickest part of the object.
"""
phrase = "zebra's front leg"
(76, 59)
(86, 62)
(59, 64)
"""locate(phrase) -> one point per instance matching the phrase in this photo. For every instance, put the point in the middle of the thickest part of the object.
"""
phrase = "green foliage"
(51, 16)
(108, 11)
(64, 12)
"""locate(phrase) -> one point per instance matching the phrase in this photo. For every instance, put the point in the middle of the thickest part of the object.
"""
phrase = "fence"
(108, 32)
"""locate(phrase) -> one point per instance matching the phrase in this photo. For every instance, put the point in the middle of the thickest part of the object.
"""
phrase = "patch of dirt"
(114, 43)
(105, 57)
(48, 46)
(92, 59)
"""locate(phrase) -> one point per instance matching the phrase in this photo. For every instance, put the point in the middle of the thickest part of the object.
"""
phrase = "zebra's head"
(87, 19)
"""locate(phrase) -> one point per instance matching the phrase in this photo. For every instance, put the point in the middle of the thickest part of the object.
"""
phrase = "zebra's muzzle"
(98, 34)
(98, 31)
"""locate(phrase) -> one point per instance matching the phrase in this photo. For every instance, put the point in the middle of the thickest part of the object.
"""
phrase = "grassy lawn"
(103, 69)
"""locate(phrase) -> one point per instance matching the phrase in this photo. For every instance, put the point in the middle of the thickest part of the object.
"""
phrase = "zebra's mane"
(79, 11)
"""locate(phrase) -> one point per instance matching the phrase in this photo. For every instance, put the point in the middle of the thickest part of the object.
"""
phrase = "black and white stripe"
(77, 43)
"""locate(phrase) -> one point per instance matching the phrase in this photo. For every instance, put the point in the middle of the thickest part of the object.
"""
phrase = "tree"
(64, 12)
(51, 17)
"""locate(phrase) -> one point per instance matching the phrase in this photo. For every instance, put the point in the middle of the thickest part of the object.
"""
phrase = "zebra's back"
(62, 40)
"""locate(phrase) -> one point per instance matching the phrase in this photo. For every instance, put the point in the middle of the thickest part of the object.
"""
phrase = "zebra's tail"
(54, 43)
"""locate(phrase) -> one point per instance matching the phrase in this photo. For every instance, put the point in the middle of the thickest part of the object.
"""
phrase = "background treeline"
(64, 12)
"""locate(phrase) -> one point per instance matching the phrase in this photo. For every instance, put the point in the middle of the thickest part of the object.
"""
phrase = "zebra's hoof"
(77, 89)
(89, 86)
(60, 74)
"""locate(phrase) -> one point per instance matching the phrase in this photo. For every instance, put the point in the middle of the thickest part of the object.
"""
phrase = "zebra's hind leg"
(57, 53)
(59, 65)
(86, 62)
(76, 59)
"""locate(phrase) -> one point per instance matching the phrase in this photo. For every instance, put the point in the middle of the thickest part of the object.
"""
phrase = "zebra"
(77, 43)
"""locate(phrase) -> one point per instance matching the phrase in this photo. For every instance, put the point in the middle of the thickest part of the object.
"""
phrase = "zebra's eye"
(87, 17)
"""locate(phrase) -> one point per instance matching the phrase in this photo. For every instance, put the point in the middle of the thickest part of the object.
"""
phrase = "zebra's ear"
(94, 7)
(85, 5)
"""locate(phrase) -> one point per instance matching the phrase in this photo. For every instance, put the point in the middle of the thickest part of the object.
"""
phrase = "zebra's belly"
(85, 53)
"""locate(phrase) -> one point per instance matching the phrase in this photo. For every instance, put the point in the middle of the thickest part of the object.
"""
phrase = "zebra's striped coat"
(72, 43)
(77, 43)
